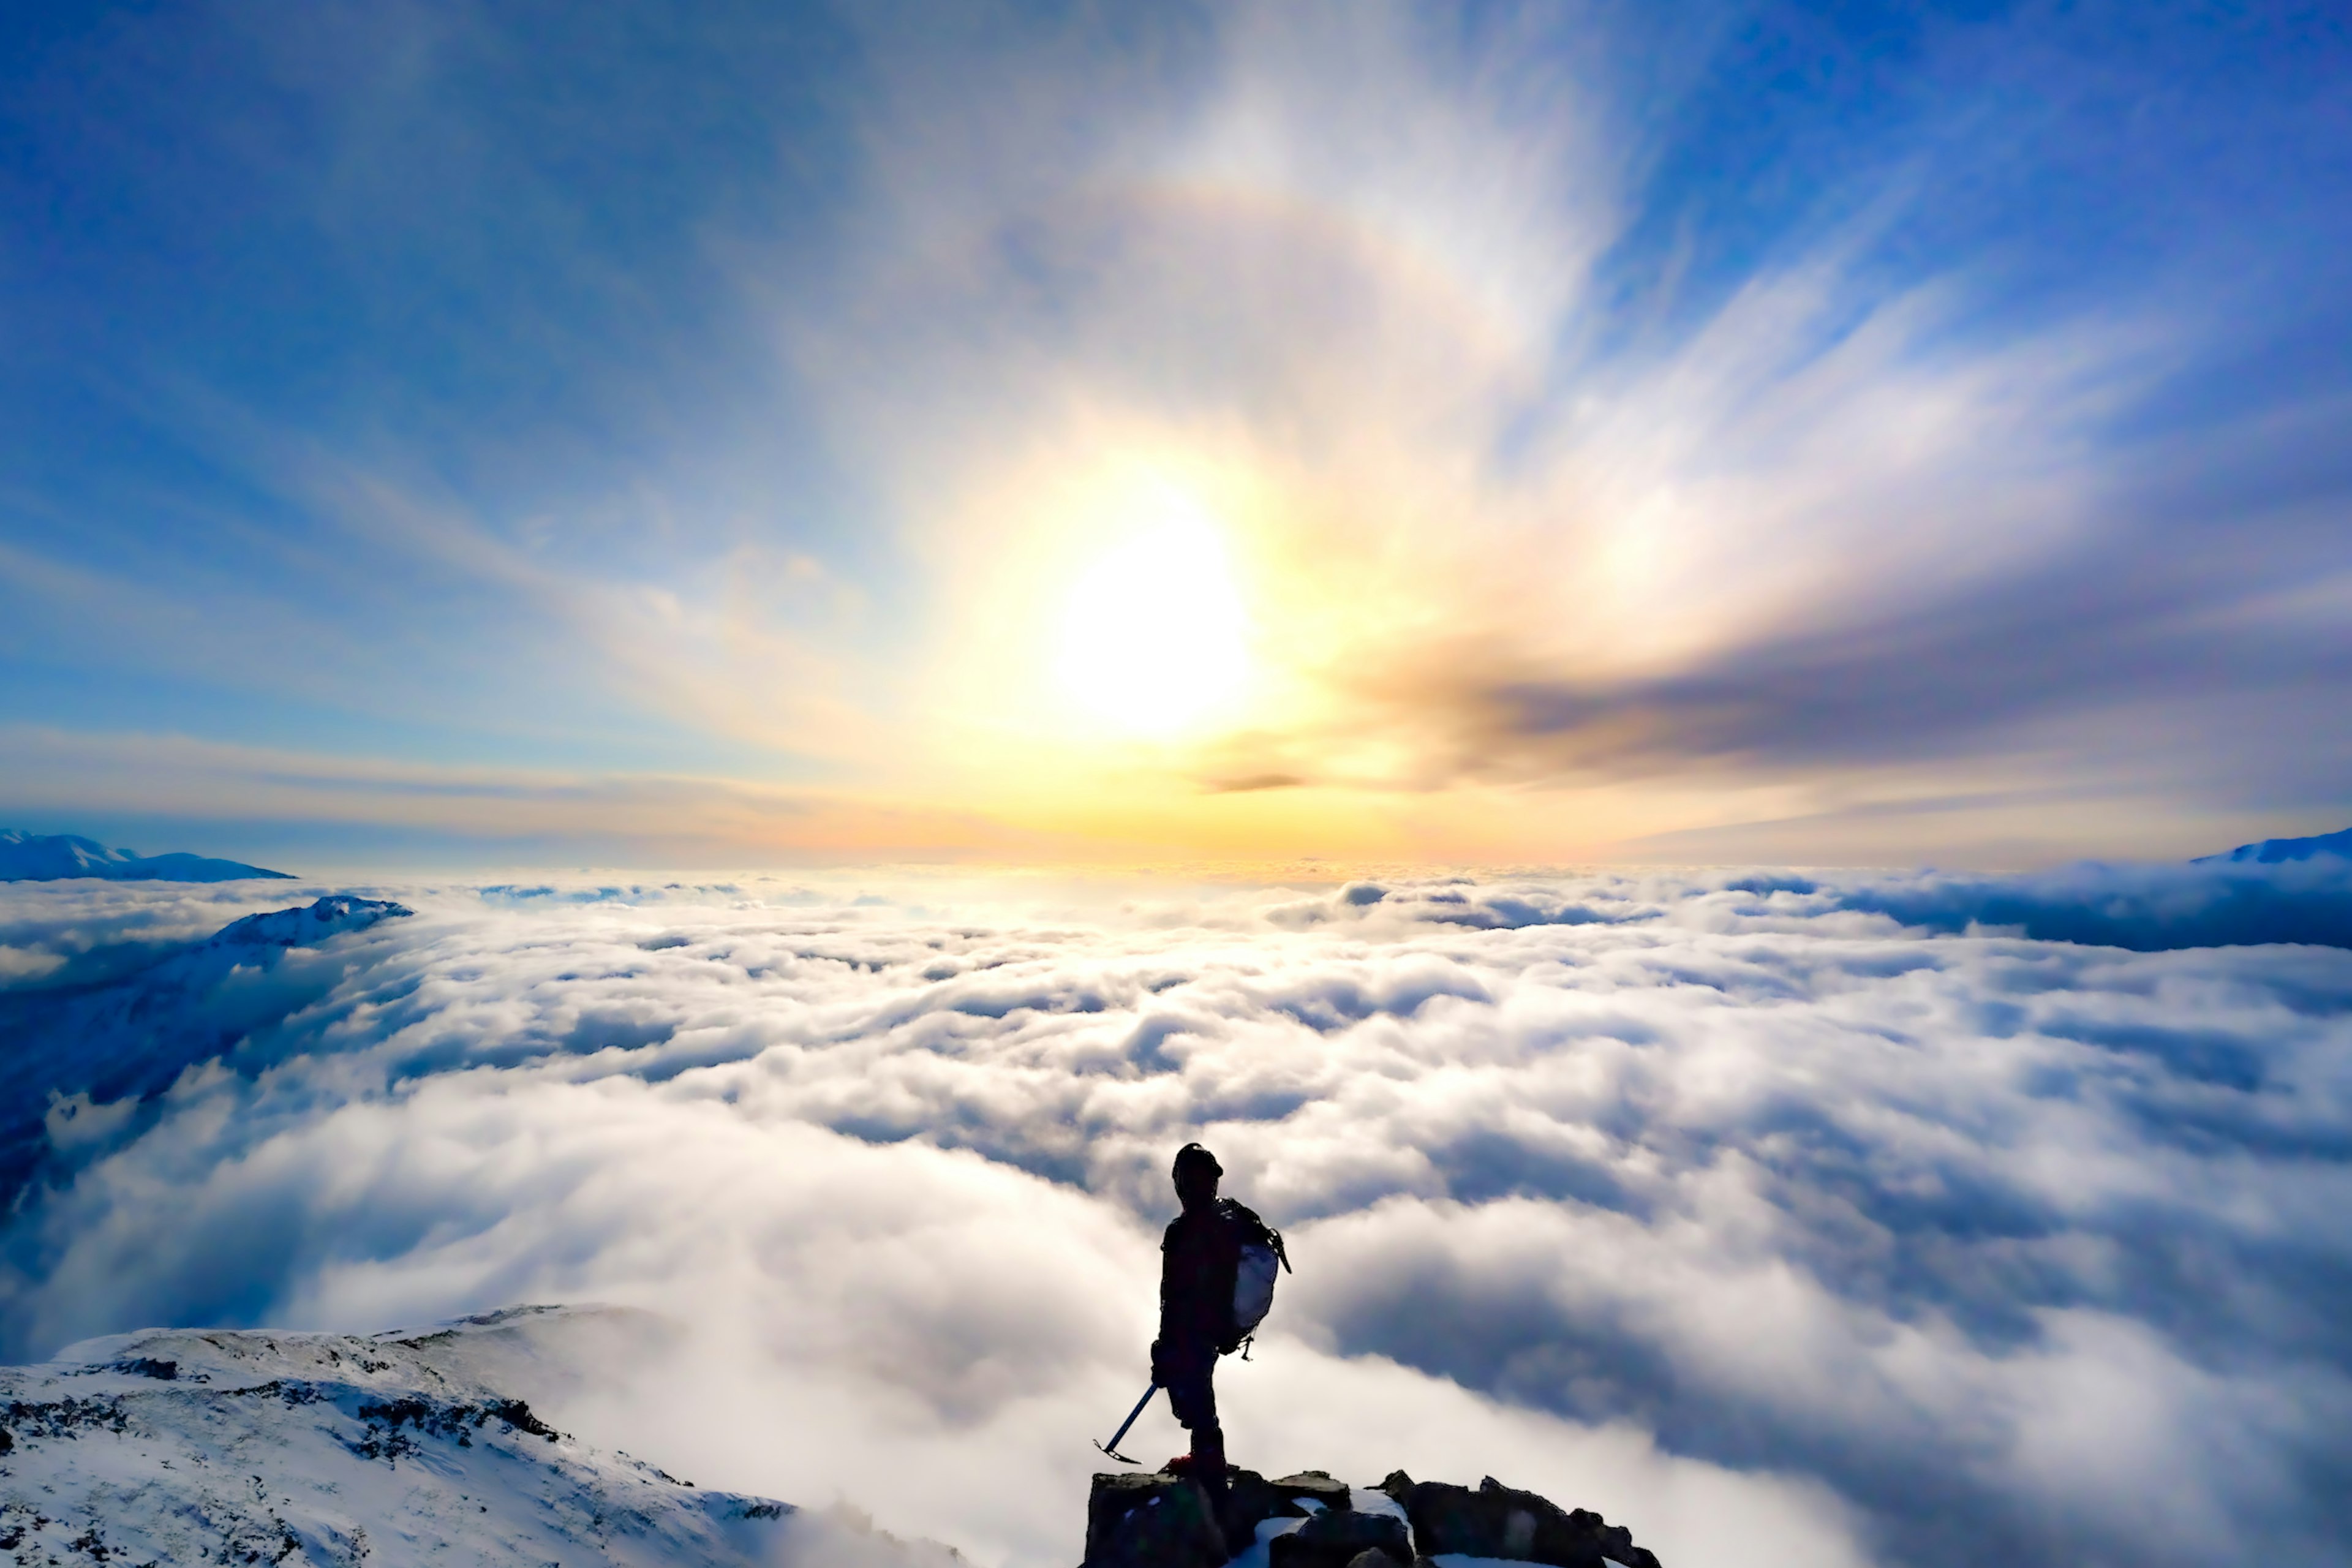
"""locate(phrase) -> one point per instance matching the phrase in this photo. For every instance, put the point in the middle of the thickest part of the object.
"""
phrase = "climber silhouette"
(1199, 1257)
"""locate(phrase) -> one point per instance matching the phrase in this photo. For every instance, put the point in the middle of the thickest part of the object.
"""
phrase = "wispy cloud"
(469, 814)
(1345, 277)
(1614, 426)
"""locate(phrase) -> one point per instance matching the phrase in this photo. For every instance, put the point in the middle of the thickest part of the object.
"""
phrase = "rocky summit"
(1312, 1521)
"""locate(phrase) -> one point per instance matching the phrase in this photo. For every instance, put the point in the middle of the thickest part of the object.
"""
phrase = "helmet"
(1192, 1155)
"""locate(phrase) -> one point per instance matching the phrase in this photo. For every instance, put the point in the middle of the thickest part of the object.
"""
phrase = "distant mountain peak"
(2271, 851)
(54, 856)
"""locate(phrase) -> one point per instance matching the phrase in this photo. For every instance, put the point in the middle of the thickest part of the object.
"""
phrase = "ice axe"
(1111, 1448)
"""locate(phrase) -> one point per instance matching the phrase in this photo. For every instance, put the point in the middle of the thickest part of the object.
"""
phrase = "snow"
(43, 857)
(1259, 1554)
(308, 926)
(184, 1446)
(2273, 851)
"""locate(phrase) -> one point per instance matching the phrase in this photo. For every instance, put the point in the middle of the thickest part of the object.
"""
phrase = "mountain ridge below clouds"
(56, 856)
(2273, 851)
(131, 1039)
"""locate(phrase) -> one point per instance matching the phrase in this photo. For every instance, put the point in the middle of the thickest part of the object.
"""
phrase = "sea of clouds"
(1816, 1219)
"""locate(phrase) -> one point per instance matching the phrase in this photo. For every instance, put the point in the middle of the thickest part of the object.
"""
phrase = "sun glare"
(1154, 638)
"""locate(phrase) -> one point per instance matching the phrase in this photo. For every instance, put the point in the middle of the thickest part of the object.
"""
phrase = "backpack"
(1261, 1257)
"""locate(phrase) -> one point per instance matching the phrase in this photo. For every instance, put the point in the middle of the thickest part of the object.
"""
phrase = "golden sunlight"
(1154, 638)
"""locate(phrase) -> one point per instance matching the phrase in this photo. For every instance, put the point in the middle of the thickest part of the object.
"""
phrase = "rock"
(1251, 1498)
(1497, 1520)
(1336, 1538)
(1152, 1521)
(1316, 1483)
(1165, 1522)
(1617, 1544)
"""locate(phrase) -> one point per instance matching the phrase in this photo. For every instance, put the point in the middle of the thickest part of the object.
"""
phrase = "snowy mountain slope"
(133, 1038)
(44, 858)
(188, 1446)
(305, 927)
(2273, 851)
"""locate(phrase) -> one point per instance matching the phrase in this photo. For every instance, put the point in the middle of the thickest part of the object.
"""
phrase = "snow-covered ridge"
(52, 857)
(210, 1446)
(308, 926)
(2277, 851)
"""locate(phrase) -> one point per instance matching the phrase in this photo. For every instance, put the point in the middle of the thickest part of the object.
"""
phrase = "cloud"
(23, 963)
(1621, 428)
(1512, 509)
(1892, 1219)
(440, 812)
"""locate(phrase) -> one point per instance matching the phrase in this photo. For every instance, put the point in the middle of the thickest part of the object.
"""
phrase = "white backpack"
(1261, 1257)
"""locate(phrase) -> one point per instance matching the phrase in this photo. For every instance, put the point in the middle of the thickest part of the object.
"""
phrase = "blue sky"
(1860, 432)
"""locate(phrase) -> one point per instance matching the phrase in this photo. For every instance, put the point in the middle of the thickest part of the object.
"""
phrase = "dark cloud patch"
(1142, 1050)
(1250, 783)
(2142, 908)
(2119, 638)
(2146, 910)
(2202, 1055)
(1487, 1163)
(1329, 1002)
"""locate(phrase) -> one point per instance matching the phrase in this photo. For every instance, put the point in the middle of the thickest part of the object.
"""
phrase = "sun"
(1154, 636)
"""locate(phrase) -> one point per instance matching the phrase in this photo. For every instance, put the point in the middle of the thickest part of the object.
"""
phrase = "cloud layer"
(1899, 1220)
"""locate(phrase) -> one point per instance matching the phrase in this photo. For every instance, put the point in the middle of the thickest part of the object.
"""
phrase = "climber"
(1199, 1257)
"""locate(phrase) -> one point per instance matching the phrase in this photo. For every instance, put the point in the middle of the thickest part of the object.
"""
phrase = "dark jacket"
(1198, 1256)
